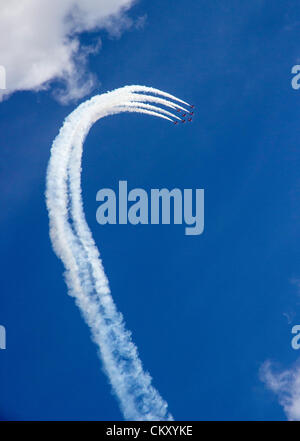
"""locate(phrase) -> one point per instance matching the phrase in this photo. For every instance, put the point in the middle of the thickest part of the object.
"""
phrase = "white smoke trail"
(74, 245)
(137, 104)
(154, 91)
(149, 98)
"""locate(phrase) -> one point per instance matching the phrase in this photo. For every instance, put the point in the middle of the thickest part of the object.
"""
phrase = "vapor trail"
(73, 243)
(154, 91)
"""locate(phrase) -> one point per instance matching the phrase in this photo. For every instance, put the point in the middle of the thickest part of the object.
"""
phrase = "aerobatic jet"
(190, 119)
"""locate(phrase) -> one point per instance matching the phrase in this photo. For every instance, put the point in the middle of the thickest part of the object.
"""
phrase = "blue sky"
(205, 311)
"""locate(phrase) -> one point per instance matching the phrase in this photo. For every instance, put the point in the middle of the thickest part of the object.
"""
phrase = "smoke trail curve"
(73, 243)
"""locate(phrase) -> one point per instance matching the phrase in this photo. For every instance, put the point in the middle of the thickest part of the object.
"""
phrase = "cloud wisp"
(286, 385)
(74, 245)
(39, 42)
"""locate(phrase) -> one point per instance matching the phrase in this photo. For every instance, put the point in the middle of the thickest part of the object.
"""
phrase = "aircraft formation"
(186, 116)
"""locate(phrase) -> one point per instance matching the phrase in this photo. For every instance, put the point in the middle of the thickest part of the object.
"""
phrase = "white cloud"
(39, 41)
(286, 385)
